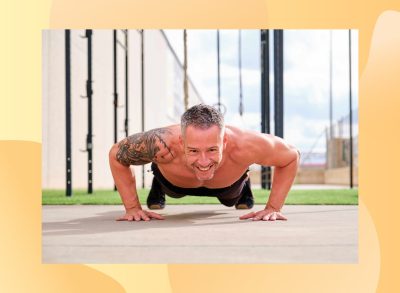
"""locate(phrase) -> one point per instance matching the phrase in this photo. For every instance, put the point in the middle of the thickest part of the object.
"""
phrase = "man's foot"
(246, 205)
(246, 202)
(156, 202)
(156, 197)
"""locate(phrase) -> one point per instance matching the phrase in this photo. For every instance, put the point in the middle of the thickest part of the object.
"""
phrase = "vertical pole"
(68, 112)
(240, 75)
(219, 75)
(115, 89)
(327, 164)
(278, 74)
(265, 108)
(330, 129)
(126, 85)
(115, 86)
(143, 108)
(185, 75)
(350, 116)
(89, 92)
(330, 87)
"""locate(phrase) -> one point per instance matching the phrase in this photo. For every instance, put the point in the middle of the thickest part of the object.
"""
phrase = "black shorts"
(227, 196)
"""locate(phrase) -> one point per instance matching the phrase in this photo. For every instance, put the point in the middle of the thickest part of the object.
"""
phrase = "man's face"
(203, 150)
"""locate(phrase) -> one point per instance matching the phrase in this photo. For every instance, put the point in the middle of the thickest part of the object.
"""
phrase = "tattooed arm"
(138, 149)
(146, 147)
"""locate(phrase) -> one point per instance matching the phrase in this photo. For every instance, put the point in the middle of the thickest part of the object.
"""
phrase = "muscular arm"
(138, 149)
(274, 151)
(283, 178)
(269, 150)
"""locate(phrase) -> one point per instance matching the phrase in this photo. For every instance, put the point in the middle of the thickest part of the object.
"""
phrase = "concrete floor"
(200, 234)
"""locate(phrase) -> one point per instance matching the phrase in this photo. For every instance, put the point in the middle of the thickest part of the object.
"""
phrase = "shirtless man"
(203, 157)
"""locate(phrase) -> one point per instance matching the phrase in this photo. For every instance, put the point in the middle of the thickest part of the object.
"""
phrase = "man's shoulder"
(241, 144)
(248, 146)
(167, 130)
(168, 134)
(243, 138)
(155, 145)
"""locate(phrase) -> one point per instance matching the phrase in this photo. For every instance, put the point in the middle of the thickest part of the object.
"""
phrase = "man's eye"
(192, 151)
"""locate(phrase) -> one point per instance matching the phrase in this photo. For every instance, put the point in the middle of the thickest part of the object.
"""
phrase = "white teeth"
(204, 169)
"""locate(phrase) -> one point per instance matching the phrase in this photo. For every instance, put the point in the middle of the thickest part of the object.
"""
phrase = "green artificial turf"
(110, 197)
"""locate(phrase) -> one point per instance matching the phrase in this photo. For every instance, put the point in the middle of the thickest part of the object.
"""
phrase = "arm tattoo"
(143, 148)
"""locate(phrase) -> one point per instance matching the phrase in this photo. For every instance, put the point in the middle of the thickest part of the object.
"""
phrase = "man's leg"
(241, 198)
(246, 200)
(156, 197)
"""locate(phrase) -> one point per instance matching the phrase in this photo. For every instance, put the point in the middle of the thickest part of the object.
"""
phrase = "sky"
(306, 78)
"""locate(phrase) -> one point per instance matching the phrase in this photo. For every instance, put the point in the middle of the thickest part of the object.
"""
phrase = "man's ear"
(182, 143)
(225, 139)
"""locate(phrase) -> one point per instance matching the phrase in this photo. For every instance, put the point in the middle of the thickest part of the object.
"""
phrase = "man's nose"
(203, 159)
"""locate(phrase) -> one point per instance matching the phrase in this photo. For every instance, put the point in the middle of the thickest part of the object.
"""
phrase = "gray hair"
(202, 116)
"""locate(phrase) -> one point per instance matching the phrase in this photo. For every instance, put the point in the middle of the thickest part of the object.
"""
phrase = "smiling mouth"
(203, 169)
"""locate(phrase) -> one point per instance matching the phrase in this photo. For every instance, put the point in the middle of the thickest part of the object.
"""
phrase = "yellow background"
(20, 150)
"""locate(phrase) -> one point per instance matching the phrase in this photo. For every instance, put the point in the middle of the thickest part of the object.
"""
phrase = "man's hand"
(137, 214)
(264, 215)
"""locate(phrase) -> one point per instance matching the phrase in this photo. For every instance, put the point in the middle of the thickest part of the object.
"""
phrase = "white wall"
(163, 100)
